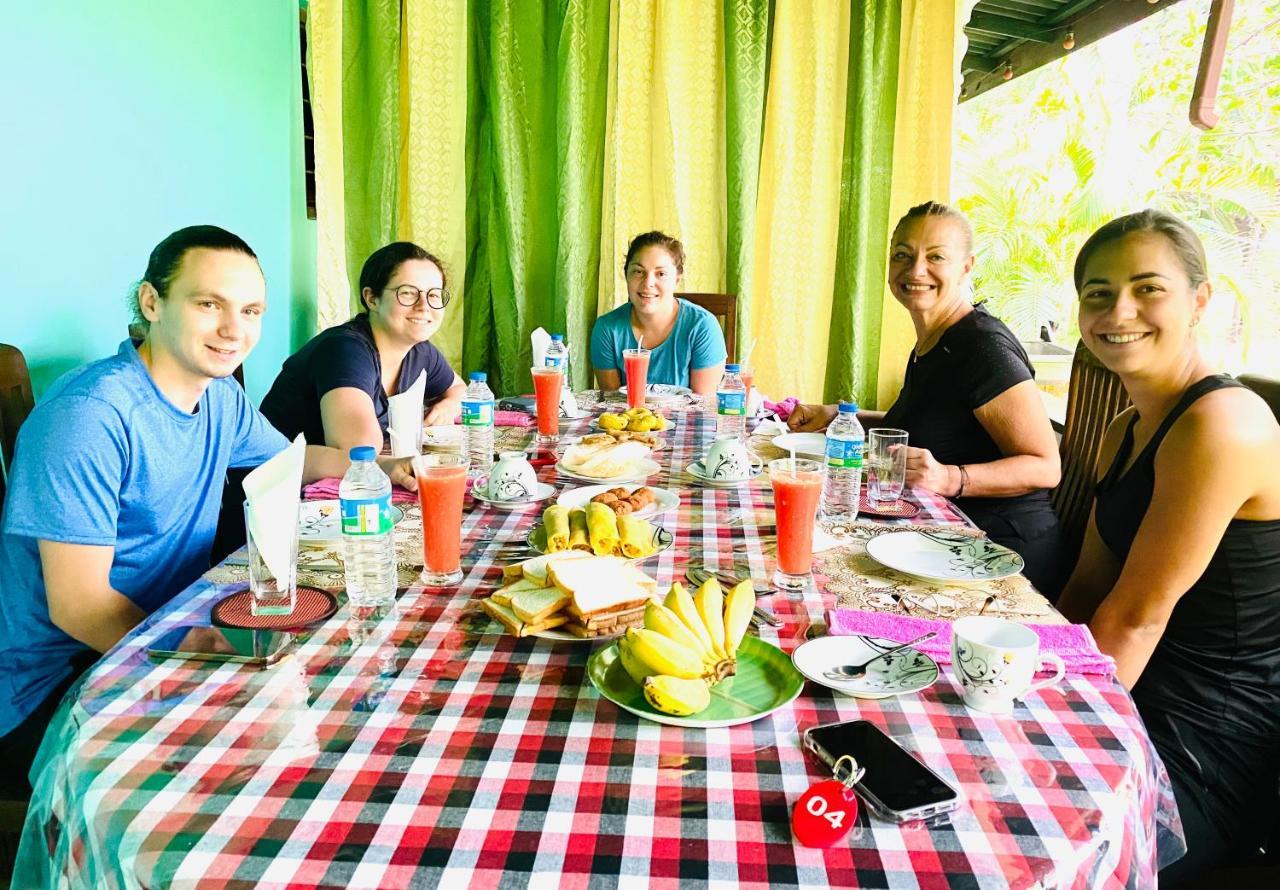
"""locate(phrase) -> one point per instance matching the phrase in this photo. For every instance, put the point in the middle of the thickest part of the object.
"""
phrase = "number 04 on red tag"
(824, 814)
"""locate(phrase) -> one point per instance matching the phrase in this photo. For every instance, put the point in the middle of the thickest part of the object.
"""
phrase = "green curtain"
(536, 136)
(867, 169)
(370, 128)
(746, 56)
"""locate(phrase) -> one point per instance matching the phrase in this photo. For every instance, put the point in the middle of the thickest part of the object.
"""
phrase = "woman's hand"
(444, 412)
(924, 471)
(811, 418)
(400, 470)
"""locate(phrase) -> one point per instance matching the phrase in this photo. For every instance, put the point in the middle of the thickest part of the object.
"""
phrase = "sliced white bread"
(533, 606)
(602, 584)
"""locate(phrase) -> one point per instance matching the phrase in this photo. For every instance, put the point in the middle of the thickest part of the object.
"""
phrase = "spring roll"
(636, 536)
(555, 521)
(579, 539)
(602, 526)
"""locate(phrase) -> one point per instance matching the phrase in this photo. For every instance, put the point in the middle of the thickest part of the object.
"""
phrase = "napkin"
(404, 418)
(274, 490)
(1072, 642)
(508, 418)
(784, 408)
(539, 341)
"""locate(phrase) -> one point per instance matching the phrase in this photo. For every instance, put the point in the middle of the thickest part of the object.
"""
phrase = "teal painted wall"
(129, 119)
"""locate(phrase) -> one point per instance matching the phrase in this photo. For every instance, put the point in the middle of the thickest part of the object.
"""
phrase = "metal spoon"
(857, 671)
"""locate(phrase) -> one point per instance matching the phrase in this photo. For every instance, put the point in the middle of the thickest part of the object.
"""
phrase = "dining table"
(421, 745)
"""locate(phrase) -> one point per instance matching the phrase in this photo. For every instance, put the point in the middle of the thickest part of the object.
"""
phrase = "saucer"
(696, 470)
(541, 492)
(903, 672)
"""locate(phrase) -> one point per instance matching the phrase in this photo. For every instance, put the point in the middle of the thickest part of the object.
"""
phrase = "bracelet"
(964, 480)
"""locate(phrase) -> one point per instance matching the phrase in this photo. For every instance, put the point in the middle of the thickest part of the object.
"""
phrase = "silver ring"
(855, 774)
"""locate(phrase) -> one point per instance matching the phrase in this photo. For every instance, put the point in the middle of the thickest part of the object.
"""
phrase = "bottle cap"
(557, 337)
(731, 369)
(363, 452)
(482, 376)
(848, 407)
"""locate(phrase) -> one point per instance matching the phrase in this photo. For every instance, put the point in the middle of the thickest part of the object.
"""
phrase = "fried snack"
(621, 507)
(635, 537)
(579, 539)
(555, 520)
(602, 526)
(642, 497)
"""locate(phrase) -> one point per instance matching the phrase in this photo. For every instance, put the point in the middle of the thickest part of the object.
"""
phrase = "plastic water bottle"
(477, 424)
(557, 354)
(731, 405)
(845, 442)
(368, 550)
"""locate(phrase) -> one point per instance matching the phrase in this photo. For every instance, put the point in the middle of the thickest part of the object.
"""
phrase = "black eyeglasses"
(407, 295)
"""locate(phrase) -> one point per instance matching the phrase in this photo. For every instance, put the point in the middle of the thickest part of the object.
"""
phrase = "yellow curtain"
(433, 129)
(324, 53)
(664, 142)
(797, 205)
(927, 88)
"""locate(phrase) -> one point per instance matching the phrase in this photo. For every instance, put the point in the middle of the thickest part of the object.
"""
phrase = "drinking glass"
(442, 485)
(271, 593)
(636, 364)
(546, 390)
(886, 466)
(797, 488)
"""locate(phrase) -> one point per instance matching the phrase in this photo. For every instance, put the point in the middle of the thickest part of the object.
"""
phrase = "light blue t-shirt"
(105, 458)
(696, 342)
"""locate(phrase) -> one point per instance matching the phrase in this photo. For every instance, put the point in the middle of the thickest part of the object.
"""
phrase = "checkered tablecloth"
(424, 747)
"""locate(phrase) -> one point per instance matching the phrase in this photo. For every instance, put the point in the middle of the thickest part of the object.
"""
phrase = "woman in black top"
(978, 429)
(1179, 575)
(335, 388)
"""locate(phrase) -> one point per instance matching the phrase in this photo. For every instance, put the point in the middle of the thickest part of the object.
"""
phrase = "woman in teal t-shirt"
(686, 341)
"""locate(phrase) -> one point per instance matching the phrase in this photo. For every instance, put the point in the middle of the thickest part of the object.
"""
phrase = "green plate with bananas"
(766, 680)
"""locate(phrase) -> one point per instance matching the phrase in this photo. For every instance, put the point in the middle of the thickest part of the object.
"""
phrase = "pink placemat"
(507, 418)
(326, 489)
(1073, 643)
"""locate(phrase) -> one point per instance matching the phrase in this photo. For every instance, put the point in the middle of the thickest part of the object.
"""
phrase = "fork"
(697, 576)
(857, 671)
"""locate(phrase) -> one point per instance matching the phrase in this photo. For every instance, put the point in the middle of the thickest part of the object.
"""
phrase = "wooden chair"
(725, 308)
(16, 403)
(1094, 397)
(1267, 388)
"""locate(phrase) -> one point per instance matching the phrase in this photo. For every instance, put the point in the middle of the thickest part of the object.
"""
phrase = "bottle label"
(553, 361)
(479, 413)
(844, 453)
(732, 404)
(366, 516)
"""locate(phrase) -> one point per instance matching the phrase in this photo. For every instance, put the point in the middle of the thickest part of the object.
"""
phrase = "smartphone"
(222, 644)
(896, 785)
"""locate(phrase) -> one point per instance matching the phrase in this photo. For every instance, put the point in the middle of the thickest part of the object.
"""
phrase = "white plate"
(542, 491)
(321, 521)
(805, 444)
(661, 541)
(944, 556)
(662, 389)
(903, 672)
(695, 470)
(562, 636)
(579, 497)
(445, 436)
(666, 425)
(643, 469)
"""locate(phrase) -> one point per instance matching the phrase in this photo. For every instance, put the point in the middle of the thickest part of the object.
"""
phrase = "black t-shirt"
(975, 360)
(345, 355)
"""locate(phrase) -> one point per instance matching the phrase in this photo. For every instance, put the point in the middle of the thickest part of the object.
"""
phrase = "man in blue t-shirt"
(685, 341)
(116, 481)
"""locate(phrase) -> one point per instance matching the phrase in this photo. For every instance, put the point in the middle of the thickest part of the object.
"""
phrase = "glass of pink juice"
(797, 489)
(546, 390)
(748, 375)
(636, 364)
(442, 485)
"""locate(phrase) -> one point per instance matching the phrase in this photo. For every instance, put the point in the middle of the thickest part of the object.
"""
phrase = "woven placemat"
(311, 606)
(899, 509)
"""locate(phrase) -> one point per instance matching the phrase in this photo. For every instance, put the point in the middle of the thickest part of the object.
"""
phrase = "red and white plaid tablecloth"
(427, 748)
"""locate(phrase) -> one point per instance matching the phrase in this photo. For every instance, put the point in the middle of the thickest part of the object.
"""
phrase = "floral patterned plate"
(898, 674)
(944, 556)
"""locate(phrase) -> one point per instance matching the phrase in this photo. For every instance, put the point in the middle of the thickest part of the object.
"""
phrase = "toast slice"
(535, 569)
(517, 628)
(533, 606)
(553, 621)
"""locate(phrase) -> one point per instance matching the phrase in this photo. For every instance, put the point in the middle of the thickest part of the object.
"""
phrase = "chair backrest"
(1267, 388)
(16, 403)
(1094, 398)
(725, 308)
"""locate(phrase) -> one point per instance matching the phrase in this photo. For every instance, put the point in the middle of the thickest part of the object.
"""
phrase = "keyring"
(856, 772)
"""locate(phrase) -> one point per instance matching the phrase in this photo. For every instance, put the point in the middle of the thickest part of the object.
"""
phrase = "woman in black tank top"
(1179, 575)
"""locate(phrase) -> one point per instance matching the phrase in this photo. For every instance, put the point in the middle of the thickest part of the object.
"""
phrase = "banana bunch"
(688, 644)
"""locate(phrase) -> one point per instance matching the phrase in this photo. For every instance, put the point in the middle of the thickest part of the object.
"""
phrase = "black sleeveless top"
(1217, 666)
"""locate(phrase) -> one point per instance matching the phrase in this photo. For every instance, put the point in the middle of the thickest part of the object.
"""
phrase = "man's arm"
(322, 462)
(81, 600)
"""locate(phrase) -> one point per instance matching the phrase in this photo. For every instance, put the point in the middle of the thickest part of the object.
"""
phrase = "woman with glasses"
(335, 388)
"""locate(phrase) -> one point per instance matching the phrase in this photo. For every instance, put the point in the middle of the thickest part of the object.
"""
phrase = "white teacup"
(511, 479)
(728, 458)
(994, 659)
